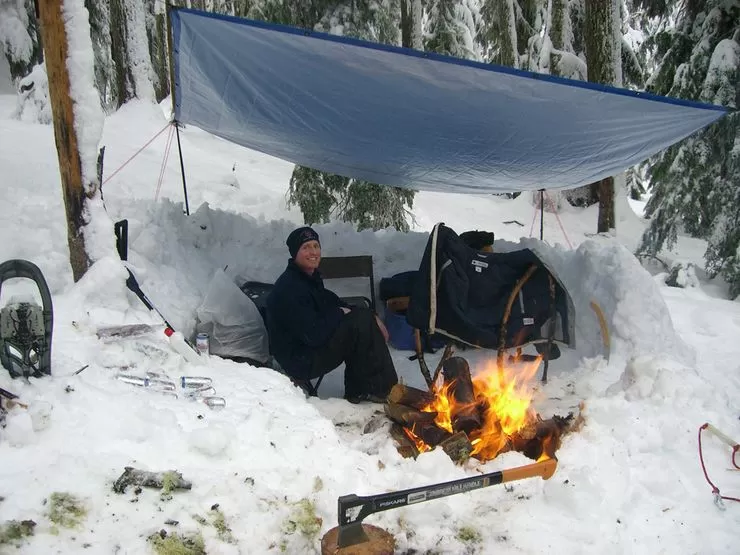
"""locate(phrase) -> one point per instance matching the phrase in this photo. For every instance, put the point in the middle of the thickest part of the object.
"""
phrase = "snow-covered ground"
(275, 462)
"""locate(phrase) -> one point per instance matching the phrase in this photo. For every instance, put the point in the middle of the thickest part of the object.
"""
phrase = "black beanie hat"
(299, 236)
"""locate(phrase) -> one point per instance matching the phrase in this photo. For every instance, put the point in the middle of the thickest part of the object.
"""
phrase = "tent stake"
(182, 168)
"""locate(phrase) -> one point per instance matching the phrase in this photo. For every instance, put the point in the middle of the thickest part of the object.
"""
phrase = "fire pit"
(477, 416)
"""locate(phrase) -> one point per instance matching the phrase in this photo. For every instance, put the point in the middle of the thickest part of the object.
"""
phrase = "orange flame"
(504, 403)
(420, 445)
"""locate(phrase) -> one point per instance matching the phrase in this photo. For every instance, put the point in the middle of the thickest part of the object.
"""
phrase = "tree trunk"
(509, 55)
(70, 166)
(406, 23)
(603, 52)
(160, 62)
(124, 81)
(417, 42)
(557, 33)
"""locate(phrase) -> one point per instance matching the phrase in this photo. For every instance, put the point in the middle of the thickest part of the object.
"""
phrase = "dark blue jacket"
(301, 317)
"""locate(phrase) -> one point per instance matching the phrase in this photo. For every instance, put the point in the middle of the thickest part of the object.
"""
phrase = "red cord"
(534, 217)
(135, 154)
(715, 489)
(560, 223)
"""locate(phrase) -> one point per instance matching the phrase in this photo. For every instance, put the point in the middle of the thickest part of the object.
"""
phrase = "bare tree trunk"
(557, 32)
(603, 53)
(406, 23)
(55, 51)
(417, 42)
(509, 55)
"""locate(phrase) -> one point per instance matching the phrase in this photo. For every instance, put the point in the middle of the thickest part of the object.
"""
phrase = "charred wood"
(465, 416)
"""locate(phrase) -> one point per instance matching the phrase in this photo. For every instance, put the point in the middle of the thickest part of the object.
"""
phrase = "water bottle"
(202, 344)
(181, 346)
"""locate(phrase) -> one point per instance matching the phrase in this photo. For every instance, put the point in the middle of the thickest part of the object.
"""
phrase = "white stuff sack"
(232, 321)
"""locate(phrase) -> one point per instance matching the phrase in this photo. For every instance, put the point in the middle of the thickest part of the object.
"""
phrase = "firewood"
(465, 416)
(404, 445)
(407, 416)
(457, 447)
(430, 433)
(541, 437)
(410, 396)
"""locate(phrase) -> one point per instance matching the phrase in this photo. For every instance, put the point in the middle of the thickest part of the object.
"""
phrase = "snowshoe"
(26, 327)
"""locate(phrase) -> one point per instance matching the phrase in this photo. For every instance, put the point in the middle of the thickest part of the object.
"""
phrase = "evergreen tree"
(323, 196)
(19, 37)
(696, 183)
(453, 27)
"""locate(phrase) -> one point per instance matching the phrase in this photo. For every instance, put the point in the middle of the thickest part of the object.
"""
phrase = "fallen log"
(464, 414)
(167, 480)
(410, 396)
(408, 416)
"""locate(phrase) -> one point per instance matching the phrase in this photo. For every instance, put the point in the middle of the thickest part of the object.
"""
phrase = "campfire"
(477, 416)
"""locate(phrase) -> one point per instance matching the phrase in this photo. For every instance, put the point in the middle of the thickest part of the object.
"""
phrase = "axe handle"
(352, 509)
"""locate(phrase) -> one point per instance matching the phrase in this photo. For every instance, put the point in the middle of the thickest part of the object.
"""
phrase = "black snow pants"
(358, 343)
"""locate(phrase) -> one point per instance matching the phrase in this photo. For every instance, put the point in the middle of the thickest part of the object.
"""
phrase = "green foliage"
(303, 519)
(175, 544)
(66, 510)
(468, 534)
(12, 531)
(322, 196)
(218, 519)
(170, 479)
(696, 184)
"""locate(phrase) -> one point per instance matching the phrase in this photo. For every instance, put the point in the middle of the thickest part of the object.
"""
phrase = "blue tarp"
(401, 117)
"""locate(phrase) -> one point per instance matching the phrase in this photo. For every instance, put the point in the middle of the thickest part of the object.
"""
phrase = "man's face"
(308, 256)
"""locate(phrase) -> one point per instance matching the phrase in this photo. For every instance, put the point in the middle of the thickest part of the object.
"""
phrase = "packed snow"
(274, 461)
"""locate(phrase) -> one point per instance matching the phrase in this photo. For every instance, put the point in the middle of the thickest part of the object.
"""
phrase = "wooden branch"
(407, 416)
(505, 321)
(410, 396)
(449, 349)
(422, 363)
(464, 413)
(134, 477)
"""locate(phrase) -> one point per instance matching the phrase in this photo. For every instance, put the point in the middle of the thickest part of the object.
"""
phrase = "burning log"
(410, 396)
(408, 416)
(464, 414)
(541, 437)
(404, 445)
(430, 433)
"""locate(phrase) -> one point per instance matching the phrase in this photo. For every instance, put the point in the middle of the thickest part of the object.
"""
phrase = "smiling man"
(312, 331)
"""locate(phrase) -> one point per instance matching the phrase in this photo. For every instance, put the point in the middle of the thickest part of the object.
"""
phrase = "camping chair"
(487, 300)
(343, 267)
